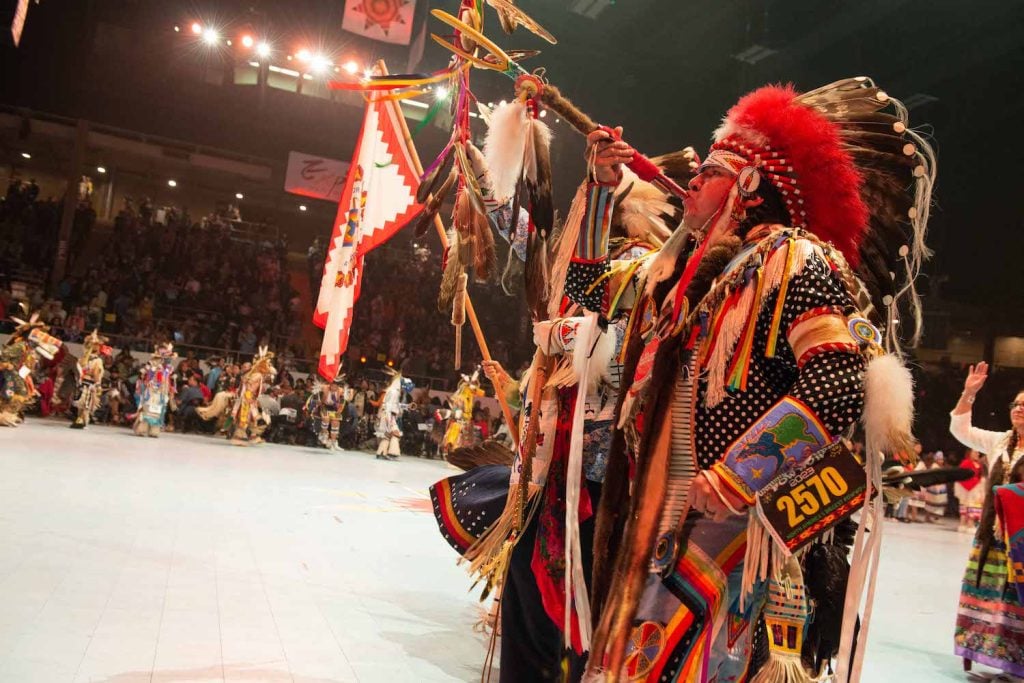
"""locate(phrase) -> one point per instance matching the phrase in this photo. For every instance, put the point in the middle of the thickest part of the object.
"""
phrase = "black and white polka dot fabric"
(830, 383)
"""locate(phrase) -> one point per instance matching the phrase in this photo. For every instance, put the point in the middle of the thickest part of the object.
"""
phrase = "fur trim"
(505, 147)
(888, 406)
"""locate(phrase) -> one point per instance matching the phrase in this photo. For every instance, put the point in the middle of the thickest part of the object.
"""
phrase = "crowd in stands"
(156, 276)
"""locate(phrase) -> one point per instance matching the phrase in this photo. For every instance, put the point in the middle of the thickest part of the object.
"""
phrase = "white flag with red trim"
(379, 199)
(387, 20)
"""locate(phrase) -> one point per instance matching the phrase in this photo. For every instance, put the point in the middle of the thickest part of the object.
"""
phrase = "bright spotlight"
(319, 63)
(440, 93)
(172, 183)
(263, 50)
(101, 169)
(239, 195)
(350, 67)
(247, 41)
(543, 113)
(211, 37)
(197, 28)
(177, 29)
(26, 155)
(303, 55)
(302, 207)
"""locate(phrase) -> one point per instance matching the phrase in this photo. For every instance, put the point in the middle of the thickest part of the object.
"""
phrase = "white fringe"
(575, 584)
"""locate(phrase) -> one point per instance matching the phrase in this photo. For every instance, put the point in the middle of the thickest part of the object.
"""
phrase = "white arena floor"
(185, 559)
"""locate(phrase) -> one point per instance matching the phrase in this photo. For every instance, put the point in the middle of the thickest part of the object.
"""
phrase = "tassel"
(785, 614)
(459, 316)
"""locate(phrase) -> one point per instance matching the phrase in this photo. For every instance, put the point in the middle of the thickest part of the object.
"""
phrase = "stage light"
(247, 41)
(350, 67)
(239, 195)
(177, 29)
(319, 63)
(362, 359)
(543, 113)
(229, 42)
(440, 93)
(302, 207)
(263, 50)
(211, 37)
(101, 169)
(368, 73)
(172, 183)
(502, 103)
(391, 363)
(303, 55)
(26, 155)
(196, 28)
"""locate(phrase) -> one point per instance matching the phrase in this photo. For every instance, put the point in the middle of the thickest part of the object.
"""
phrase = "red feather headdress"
(799, 151)
(849, 169)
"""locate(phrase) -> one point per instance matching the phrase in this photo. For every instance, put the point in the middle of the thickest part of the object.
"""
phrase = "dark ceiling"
(667, 70)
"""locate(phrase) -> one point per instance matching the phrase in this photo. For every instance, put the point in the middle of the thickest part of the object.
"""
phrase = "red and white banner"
(379, 198)
(313, 176)
(387, 20)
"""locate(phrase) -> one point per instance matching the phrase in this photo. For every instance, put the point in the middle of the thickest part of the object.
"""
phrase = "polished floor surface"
(186, 559)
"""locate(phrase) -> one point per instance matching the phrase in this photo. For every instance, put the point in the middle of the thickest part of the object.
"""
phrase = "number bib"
(799, 505)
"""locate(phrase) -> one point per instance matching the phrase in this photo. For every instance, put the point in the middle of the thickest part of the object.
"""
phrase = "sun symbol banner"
(386, 20)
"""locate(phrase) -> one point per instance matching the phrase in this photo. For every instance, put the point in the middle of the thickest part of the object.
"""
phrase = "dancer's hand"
(605, 155)
(975, 379)
(494, 372)
(705, 498)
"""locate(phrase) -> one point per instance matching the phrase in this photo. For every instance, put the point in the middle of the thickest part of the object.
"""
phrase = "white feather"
(504, 147)
(888, 405)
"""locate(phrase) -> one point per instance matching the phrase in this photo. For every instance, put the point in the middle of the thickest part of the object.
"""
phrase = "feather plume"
(504, 147)
(538, 176)
(485, 256)
(489, 452)
(453, 268)
(430, 182)
(433, 204)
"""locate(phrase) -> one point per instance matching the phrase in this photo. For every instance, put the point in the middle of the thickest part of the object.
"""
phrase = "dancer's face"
(708, 193)
(708, 190)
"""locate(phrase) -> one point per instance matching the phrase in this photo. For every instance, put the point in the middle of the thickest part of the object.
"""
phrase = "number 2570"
(810, 496)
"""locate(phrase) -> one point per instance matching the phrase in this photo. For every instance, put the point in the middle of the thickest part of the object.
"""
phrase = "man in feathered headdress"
(763, 347)
(89, 375)
(153, 391)
(18, 358)
(460, 428)
(387, 429)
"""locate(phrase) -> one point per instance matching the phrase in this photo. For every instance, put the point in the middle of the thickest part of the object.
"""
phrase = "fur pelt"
(888, 406)
(218, 406)
(505, 147)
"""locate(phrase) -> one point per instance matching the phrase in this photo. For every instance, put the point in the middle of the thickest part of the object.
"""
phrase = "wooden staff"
(474, 322)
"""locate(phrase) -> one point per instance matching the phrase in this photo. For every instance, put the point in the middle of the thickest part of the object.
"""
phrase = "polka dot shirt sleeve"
(830, 383)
